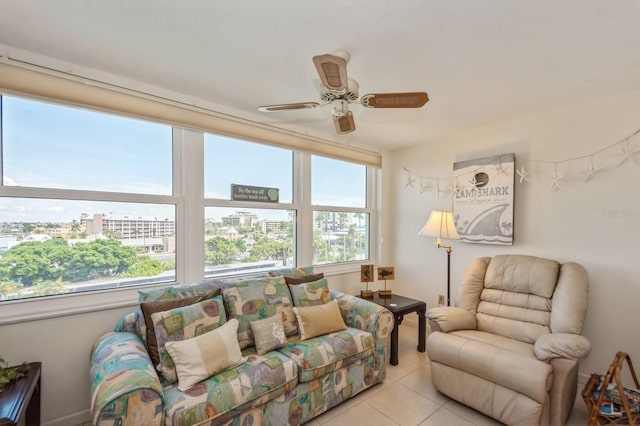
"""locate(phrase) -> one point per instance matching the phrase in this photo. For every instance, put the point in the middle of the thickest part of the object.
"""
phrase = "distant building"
(127, 226)
(241, 219)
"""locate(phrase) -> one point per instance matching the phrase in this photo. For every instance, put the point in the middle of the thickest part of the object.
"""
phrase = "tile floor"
(407, 397)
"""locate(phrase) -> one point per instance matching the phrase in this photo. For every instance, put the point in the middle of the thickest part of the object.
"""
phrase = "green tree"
(144, 266)
(220, 251)
(34, 262)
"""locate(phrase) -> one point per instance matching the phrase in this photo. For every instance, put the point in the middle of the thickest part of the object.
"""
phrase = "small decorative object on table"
(366, 276)
(385, 273)
(8, 374)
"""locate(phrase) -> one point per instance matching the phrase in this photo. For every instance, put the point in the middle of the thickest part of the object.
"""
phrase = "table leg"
(394, 340)
(422, 330)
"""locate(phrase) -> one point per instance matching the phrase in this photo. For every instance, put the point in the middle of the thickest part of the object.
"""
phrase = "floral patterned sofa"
(302, 377)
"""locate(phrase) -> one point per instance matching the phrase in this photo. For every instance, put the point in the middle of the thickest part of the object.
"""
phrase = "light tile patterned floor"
(408, 398)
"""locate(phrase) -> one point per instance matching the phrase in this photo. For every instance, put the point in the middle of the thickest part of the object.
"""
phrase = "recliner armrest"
(561, 345)
(451, 318)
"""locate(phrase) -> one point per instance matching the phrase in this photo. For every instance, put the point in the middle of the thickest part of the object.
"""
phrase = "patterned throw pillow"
(185, 323)
(310, 294)
(149, 308)
(318, 320)
(258, 299)
(268, 334)
(206, 355)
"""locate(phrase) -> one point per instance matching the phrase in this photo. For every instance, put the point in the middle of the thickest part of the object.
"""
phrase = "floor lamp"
(441, 226)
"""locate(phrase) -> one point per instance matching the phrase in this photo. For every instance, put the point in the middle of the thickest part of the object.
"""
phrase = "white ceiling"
(481, 61)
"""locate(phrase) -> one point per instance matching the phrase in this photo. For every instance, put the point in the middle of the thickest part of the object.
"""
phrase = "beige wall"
(596, 224)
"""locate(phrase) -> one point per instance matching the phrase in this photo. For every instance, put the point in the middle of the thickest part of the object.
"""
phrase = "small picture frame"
(366, 273)
(386, 273)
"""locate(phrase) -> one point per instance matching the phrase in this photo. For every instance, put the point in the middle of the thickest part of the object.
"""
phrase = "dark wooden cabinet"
(20, 400)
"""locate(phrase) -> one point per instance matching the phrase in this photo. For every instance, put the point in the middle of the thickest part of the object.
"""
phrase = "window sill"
(39, 308)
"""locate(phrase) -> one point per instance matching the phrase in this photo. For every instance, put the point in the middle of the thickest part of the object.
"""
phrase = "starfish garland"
(523, 174)
(501, 169)
(555, 179)
(592, 172)
(627, 155)
(424, 186)
(456, 189)
(474, 182)
(410, 181)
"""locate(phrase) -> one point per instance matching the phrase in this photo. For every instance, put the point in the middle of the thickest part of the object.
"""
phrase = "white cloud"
(55, 209)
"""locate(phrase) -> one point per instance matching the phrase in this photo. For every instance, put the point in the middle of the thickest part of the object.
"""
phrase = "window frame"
(188, 198)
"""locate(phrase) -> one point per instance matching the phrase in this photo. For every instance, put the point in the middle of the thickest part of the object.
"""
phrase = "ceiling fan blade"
(285, 107)
(332, 70)
(344, 123)
(395, 100)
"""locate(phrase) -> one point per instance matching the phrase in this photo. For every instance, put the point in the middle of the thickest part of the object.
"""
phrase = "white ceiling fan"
(339, 91)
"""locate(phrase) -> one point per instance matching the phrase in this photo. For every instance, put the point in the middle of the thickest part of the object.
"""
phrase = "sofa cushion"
(258, 299)
(310, 293)
(320, 319)
(149, 308)
(203, 356)
(268, 333)
(303, 279)
(292, 272)
(185, 323)
(178, 291)
(258, 380)
(320, 355)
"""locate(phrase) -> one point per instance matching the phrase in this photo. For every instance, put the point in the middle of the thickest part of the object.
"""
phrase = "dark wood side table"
(399, 307)
(20, 400)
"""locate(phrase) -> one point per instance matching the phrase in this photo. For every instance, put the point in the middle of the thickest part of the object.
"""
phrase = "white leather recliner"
(511, 346)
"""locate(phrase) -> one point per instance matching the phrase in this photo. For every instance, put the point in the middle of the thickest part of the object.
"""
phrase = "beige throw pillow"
(206, 355)
(317, 320)
(269, 333)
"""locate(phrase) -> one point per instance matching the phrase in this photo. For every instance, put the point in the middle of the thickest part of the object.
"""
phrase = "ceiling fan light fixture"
(344, 123)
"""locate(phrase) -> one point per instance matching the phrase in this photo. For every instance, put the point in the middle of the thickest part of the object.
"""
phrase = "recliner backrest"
(524, 297)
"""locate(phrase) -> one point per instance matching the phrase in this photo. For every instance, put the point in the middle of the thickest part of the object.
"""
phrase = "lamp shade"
(440, 225)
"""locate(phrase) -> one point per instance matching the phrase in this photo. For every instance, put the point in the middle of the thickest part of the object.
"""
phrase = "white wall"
(596, 224)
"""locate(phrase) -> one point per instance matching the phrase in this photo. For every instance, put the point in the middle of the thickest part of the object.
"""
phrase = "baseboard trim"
(76, 419)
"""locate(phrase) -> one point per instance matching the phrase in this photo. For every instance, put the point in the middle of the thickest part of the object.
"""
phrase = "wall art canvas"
(483, 199)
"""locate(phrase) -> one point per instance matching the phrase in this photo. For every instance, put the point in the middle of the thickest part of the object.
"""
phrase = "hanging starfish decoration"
(523, 174)
(455, 188)
(410, 181)
(627, 155)
(438, 190)
(555, 179)
(501, 169)
(592, 172)
(424, 186)
(474, 182)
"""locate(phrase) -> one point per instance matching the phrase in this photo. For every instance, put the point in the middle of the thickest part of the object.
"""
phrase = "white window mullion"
(304, 224)
(189, 187)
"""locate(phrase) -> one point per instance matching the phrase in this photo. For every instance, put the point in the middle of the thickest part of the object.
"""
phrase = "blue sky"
(79, 149)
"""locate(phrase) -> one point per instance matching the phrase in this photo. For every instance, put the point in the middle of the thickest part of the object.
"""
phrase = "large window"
(86, 201)
(94, 201)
